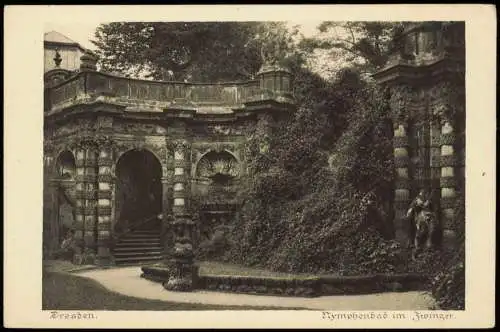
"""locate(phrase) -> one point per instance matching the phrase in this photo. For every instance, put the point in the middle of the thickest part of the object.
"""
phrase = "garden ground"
(123, 289)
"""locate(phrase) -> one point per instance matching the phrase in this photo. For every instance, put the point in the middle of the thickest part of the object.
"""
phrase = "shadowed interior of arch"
(138, 191)
(66, 201)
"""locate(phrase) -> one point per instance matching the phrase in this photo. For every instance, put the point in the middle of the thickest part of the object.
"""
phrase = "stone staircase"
(138, 247)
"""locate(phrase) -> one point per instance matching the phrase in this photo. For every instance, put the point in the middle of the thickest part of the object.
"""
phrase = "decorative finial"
(57, 59)
(88, 61)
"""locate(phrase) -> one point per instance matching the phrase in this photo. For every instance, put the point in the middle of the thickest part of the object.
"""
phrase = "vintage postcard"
(250, 166)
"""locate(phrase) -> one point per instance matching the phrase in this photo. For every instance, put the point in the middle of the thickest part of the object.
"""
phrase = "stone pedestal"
(184, 272)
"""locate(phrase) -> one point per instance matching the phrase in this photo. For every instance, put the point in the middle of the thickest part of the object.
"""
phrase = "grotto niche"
(215, 185)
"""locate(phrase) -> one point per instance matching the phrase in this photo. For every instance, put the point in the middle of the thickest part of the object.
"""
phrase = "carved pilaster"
(167, 213)
(105, 189)
(399, 100)
(402, 183)
(182, 223)
(448, 179)
(90, 207)
(80, 205)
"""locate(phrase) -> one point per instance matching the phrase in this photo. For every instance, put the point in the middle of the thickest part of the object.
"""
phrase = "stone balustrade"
(88, 86)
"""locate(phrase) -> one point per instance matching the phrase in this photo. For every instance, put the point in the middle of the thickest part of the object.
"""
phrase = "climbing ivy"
(305, 210)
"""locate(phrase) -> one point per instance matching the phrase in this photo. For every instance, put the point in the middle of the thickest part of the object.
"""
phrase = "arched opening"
(65, 165)
(66, 201)
(216, 183)
(138, 191)
(220, 167)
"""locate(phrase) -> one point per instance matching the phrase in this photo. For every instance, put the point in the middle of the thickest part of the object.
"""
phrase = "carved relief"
(180, 145)
(217, 163)
(219, 130)
(447, 99)
(400, 99)
(138, 128)
(104, 122)
(201, 149)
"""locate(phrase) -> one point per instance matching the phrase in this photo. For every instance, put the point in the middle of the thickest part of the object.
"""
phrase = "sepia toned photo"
(274, 165)
(219, 157)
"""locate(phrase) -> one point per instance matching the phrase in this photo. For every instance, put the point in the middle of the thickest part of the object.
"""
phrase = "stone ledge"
(299, 286)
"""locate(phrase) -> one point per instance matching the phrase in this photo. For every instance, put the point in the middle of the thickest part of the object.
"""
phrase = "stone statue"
(273, 49)
(423, 223)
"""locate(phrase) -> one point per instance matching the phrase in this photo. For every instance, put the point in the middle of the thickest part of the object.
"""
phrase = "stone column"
(402, 183)
(167, 186)
(104, 196)
(90, 220)
(80, 204)
(182, 279)
(448, 181)
(435, 164)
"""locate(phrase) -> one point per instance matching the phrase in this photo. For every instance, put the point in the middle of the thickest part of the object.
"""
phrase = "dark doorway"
(66, 202)
(138, 191)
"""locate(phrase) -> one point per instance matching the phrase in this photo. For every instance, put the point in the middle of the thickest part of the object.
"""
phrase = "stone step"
(146, 241)
(146, 231)
(138, 245)
(141, 236)
(138, 253)
(137, 259)
(137, 248)
(137, 263)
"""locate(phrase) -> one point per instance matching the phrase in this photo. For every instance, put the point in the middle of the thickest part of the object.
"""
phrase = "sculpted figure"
(423, 223)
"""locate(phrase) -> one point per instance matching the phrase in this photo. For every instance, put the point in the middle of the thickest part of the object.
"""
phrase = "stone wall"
(426, 80)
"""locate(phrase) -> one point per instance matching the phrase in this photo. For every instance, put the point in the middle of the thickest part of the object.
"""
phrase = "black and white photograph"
(239, 165)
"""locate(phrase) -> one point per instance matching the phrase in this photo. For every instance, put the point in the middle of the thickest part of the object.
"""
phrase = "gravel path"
(127, 281)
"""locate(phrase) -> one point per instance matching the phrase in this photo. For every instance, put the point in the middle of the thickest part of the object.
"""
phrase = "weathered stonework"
(101, 118)
(427, 83)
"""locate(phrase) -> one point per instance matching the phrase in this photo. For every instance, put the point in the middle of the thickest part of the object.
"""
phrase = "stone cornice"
(119, 111)
(412, 73)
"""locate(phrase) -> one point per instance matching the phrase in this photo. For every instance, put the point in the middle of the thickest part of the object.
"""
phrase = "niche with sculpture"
(215, 183)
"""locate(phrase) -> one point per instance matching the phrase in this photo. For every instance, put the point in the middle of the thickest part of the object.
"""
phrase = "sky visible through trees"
(320, 61)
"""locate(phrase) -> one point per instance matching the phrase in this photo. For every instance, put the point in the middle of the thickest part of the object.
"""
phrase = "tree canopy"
(364, 46)
(197, 51)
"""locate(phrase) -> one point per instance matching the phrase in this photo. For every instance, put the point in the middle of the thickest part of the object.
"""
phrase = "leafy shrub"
(304, 210)
(448, 284)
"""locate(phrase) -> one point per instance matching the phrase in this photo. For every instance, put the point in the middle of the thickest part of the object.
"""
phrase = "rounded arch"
(218, 165)
(138, 174)
(117, 155)
(65, 165)
(122, 152)
(210, 154)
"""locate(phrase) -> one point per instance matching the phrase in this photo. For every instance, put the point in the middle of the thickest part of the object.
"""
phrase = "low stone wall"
(303, 287)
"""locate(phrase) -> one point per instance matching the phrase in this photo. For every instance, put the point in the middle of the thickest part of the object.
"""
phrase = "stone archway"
(138, 199)
(65, 172)
(66, 165)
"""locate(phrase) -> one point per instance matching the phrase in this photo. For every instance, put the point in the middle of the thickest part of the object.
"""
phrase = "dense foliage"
(305, 211)
(448, 284)
(195, 51)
